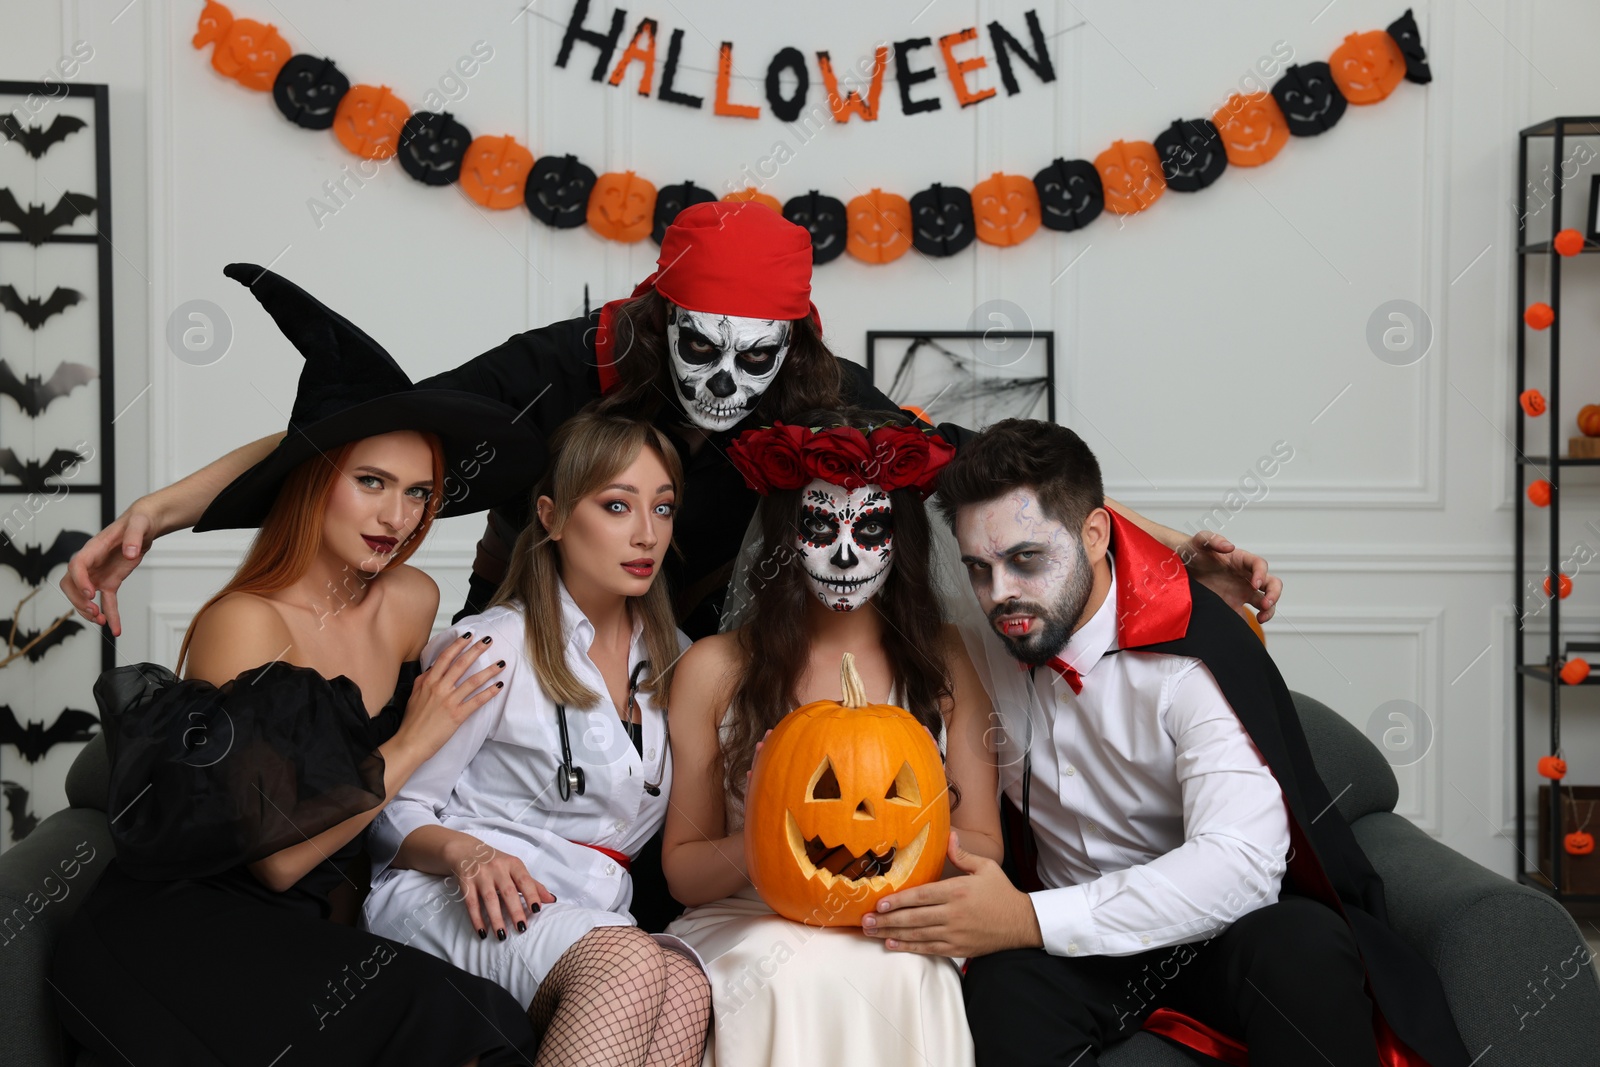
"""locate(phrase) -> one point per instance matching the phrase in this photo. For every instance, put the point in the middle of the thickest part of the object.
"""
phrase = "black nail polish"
(486, 640)
(501, 934)
(536, 906)
(500, 663)
(482, 933)
(499, 685)
(466, 635)
(522, 927)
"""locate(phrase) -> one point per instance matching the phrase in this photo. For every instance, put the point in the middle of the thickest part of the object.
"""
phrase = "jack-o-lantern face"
(432, 146)
(494, 170)
(1409, 39)
(1191, 153)
(308, 90)
(622, 206)
(671, 200)
(369, 120)
(941, 220)
(1070, 195)
(879, 227)
(1130, 175)
(847, 804)
(249, 52)
(1367, 66)
(557, 191)
(750, 194)
(823, 217)
(1580, 843)
(1552, 767)
(1252, 127)
(1006, 209)
(1310, 101)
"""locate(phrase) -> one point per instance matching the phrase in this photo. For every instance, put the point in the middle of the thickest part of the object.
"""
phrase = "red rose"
(940, 452)
(840, 456)
(907, 458)
(771, 458)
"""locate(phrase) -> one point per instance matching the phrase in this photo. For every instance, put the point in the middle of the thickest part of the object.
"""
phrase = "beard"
(1054, 623)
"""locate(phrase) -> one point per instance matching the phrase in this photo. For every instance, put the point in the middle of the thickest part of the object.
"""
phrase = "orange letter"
(724, 75)
(851, 103)
(958, 68)
(645, 55)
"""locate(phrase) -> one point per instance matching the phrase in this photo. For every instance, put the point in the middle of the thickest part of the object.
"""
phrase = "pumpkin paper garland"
(825, 219)
(495, 171)
(308, 90)
(368, 121)
(622, 206)
(1409, 39)
(1192, 156)
(432, 147)
(879, 227)
(1070, 194)
(249, 52)
(941, 220)
(750, 194)
(1005, 208)
(557, 191)
(1130, 176)
(670, 200)
(1309, 99)
(1252, 128)
(1367, 66)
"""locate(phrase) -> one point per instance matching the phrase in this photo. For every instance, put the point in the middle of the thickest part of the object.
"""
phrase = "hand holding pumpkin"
(972, 914)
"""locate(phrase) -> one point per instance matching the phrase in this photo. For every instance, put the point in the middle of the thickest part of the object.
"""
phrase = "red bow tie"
(1066, 670)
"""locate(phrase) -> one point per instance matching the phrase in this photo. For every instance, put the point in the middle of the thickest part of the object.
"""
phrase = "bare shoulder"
(704, 676)
(411, 599)
(238, 632)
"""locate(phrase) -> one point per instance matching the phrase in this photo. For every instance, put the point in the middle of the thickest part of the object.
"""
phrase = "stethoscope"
(570, 778)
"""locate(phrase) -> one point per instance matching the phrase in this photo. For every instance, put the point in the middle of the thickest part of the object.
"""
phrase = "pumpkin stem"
(855, 694)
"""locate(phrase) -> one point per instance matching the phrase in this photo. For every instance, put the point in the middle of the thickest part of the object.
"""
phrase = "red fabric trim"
(1191, 1033)
(623, 859)
(604, 348)
(1153, 603)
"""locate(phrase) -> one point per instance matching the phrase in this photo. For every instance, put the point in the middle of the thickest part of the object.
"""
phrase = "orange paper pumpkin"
(1579, 843)
(1253, 129)
(1130, 174)
(1553, 767)
(1589, 420)
(622, 206)
(1539, 493)
(1568, 242)
(753, 195)
(1575, 670)
(1539, 316)
(369, 121)
(847, 804)
(879, 227)
(1565, 585)
(1005, 208)
(1532, 402)
(1367, 66)
(249, 52)
(494, 171)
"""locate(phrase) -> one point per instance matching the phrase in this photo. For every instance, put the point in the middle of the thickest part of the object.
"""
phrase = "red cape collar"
(1153, 602)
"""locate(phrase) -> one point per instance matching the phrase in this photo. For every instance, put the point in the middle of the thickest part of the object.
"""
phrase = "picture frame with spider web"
(973, 378)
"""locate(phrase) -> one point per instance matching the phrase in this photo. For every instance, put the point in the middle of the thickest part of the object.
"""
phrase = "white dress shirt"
(1157, 820)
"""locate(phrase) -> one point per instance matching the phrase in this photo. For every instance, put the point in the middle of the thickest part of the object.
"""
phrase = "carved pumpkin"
(1532, 402)
(1565, 586)
(557, 191)
(249, 52)
(369, 120)
(824, 218)
(879, 228)
(1575, 670)
(1130, 174)
(1309, 98)
(1578, 843)
(308, 90)
(847, 804)
(941, 219)
(1191, 154)
(1568, 242)
(672, 199)
(1553, 767)
(432, 147)
(622, 206)
(1539, 315)
(755, 196)
(1539, 493)
(494, 170)
(1589, 420)
(1006, 209)
(1252, 128)
(1070, 195)
(1367, 66)
(1409, 39)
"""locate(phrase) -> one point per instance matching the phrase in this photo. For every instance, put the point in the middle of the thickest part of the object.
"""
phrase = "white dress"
(495, 779)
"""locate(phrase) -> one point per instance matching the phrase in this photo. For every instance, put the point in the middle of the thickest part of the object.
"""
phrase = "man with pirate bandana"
(1189, 873)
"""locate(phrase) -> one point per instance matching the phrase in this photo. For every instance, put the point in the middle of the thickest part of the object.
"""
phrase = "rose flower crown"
(890, 457)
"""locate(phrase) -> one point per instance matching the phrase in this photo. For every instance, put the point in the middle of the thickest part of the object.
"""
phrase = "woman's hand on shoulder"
(456, 684)
(238, 632)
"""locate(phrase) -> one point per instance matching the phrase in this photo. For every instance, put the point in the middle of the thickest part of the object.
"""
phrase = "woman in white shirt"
(507, 853)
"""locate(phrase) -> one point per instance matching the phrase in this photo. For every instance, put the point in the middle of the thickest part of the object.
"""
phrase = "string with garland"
(561, 191)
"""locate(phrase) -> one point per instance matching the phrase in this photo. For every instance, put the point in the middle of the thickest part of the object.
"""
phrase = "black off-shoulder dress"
(180, 956)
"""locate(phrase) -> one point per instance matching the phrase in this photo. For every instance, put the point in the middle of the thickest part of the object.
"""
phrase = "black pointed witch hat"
(351, 388)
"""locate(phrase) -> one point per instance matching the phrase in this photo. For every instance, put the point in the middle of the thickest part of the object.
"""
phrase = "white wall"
(1191, 340)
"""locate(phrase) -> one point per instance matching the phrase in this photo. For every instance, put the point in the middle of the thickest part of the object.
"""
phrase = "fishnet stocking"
(600, 1003)
(680, 1037)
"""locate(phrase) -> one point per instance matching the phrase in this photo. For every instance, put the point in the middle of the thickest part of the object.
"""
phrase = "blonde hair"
(588, 452)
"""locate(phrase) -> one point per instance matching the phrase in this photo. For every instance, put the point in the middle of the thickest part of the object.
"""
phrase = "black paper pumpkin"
(557, 191)
(1409, 38)
(941, 220)
(432, 145)
(672, 199)
(1070, 194)
(308, 90)
(825, 219)
(1192, 155)
(1311, 102)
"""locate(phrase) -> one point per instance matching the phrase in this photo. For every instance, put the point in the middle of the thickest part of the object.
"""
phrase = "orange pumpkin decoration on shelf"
(1589, 420)
(622, 206)
(1568, 242)
(1539, 315)
(1575, 670)
(1565, 586)
(494, 171)
(1578, 843)
(249, 52)
(847, 804)
(879, 227)
(1553, 767)
(369, 120)
(1367, 66)
(1539, 493)
(753, 195)
(1005, 208)
(1130, 175)
(1532, 402)
(1253, 129)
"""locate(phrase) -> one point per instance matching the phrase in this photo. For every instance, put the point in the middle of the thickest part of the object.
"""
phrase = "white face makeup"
(846, 542)
(1030, 573)
(723, 363)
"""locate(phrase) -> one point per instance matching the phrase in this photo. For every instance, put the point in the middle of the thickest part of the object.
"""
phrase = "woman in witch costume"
(843, 566)
(242, 792)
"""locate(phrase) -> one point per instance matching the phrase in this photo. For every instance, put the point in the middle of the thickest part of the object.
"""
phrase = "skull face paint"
(723, 363)
(1030, 574)
(846, 542)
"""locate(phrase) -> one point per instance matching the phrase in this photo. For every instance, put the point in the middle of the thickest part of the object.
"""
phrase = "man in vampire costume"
(1189, 872)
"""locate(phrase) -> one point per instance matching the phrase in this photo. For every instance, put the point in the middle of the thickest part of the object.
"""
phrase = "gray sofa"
(1513, 962)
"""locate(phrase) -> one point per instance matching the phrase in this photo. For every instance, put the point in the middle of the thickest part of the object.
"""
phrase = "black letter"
(605, 43)
(667, 92)
(1003, 40)
(905, 77)
(788, 110)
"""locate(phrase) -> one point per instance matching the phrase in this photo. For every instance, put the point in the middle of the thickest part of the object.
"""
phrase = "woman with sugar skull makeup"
(843, 567)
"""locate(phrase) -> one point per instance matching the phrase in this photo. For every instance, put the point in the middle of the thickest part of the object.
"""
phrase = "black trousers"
(1285, 979)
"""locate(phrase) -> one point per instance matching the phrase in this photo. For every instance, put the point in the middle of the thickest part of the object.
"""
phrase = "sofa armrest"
(43, 880)
(1516, 970)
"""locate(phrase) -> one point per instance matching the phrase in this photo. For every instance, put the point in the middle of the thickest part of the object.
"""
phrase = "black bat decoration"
(35, 562)
(33, 474)
(33, 311)
(33, 740)
(33, 394)
(36, 224)
(36, 140)
(20, 638)
(22, 820)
